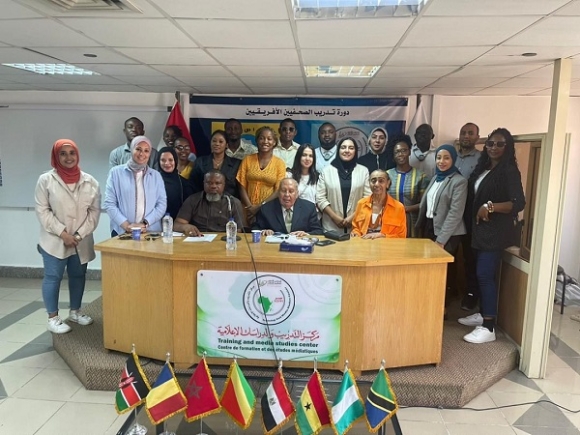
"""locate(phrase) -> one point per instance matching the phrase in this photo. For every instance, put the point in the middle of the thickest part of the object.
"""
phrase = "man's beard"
(213, 197)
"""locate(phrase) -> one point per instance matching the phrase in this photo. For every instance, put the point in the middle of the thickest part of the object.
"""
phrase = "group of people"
(468, 197)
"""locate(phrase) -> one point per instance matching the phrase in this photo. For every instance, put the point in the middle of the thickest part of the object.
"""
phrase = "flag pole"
(136, 429)
(203, 358)
(394, 419)
(165, 431)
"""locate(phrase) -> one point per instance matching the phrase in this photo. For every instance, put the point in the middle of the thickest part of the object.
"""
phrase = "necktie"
(288, 219)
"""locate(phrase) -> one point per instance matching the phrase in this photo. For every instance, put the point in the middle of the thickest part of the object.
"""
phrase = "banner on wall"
(355, 117)
(268, 316)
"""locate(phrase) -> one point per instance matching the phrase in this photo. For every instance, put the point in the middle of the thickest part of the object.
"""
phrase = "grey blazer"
(449, 206)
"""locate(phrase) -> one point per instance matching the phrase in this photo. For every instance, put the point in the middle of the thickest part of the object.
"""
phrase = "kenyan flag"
(133, 387)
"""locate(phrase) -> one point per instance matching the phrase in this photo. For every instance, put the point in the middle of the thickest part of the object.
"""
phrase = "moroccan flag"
(381, 402)
(238, 399)
(165, 398)
(277, 406)
(133, 387)
(176, 118)
(312, 413)
(348, 406)
(202, 399)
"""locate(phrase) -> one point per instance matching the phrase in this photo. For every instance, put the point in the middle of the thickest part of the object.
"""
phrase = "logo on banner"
(359, 136)
(269, 300)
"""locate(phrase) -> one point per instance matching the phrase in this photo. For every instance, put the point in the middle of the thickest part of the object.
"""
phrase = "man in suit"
(289, 214)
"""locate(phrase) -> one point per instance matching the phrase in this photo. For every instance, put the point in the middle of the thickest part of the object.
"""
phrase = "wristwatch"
(77, 237)
(145, 222)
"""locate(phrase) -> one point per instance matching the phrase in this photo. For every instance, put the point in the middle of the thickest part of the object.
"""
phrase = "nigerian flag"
(348, 406)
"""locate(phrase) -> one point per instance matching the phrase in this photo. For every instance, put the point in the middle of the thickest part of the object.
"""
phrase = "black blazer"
(229, 168)
(304, 218)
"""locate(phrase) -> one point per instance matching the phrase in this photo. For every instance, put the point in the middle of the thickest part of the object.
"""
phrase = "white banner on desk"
(278, 316)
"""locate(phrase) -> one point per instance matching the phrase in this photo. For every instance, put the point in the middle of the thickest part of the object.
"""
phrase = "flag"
(133, 387)
(312, 413)
(202, 399)
(176, 118)
(165, 398)
(348, 406)
(238, 399)
(381, 403)
(277, 406)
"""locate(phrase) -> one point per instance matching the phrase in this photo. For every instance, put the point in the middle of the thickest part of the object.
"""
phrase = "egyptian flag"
(176, 118)
(202, 399)
(133, 387)
(238, 399)
(312, 412)
(277, 406)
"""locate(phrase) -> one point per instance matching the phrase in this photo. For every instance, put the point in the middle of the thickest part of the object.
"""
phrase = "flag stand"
(136, 429)
(201, 426)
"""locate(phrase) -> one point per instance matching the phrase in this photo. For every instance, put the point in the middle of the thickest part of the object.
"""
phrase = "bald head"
(288, 192)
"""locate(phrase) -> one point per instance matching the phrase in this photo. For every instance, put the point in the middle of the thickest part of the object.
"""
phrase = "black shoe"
(469, 302)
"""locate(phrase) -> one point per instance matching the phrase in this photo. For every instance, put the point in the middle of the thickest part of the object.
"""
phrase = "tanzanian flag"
(381, 402)
(133, 387)
(238, 399)
(312, 413)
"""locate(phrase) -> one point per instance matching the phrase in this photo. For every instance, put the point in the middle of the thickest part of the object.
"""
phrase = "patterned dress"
(408, 188)
(260, 183)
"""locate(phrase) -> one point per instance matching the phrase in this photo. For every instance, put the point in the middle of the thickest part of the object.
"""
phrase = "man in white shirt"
(422, 154)
(122, 154)
(327, 150)
(286, 148)
(237, 147)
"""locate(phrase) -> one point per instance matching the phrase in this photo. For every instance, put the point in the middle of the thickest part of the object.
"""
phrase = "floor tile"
(20, 282)
(88, 396)
(570, 401)
(14, 378)
(74, 418)
(543, 414)
(24, 294)
(420, 414)
(513, 403)
(22, 332)
(5, 291)
(25, 416)
(483, 401)
(533, 430)
(29, 355)
(7, 306)
(51, 384)
(423, 428)
(480, 429)
(559, 380)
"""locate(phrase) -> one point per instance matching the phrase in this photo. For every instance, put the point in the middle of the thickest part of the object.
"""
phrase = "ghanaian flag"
(312, 412)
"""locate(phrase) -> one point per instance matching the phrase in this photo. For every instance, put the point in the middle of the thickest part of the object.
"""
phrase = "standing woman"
(184, 163)
(304, 172)
(378, 155)
(135, 194)
(177, 188)
(260, 174)
(340, 187)
(68, 206)
(217, 160)
(408, 184)
(495, 198)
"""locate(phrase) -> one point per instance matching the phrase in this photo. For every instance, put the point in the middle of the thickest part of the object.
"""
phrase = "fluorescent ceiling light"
(341, 71)
(52, 69)
(309, 9)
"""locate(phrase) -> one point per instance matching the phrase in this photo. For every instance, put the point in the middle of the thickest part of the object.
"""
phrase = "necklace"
(216, 164)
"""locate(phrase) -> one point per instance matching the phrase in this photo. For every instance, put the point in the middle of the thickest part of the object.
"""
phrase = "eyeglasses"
(181, 148)
(290, 129)
(497, 143)
(397, 152)
(152, 236)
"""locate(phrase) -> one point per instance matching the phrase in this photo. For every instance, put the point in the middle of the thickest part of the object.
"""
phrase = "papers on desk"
(204, 238)
(276, 239)
(176, 234)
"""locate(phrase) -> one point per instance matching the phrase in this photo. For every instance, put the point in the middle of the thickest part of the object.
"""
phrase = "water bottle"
(167, 234)
(231, 234)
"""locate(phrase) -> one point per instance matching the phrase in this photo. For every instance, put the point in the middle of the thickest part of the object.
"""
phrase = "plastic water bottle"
(167, 234)
(231, 234)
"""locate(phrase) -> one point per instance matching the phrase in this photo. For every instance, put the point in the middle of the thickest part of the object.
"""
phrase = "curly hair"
(508, 158)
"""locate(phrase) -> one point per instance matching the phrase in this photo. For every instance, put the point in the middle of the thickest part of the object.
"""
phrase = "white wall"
(520, 115)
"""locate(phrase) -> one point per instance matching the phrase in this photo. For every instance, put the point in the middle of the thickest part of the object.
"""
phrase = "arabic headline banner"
(355, 117)
(278, 316)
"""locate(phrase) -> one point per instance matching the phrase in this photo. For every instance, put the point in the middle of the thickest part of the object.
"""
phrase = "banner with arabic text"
(355, 117)
(276, 316)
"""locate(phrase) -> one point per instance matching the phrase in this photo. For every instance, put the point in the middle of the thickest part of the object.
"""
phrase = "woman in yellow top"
(184, 165)
(260, 174)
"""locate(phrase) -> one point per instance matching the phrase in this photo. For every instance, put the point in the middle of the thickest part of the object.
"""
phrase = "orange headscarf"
(71, 175)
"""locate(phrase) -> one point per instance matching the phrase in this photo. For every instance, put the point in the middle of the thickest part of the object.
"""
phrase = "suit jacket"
(229, 168)
(449, 206)
(304, 218)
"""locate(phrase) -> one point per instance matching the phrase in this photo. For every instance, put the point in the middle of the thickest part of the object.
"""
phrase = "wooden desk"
(392, 298)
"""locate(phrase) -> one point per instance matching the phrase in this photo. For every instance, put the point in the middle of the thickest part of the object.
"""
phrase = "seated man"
(289, 214)
(209, 210)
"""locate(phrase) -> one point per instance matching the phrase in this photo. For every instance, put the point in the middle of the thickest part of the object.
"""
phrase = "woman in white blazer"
(340, 186)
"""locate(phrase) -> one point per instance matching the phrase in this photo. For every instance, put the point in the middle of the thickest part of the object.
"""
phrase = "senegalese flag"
(165, 398)
(348, 406)
(202, 399)
(277, 406)
(133, 387)
(381, 403)
(238, 399)
(312, 412)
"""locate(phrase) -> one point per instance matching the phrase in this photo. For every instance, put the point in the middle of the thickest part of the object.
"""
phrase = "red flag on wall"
(176, 118)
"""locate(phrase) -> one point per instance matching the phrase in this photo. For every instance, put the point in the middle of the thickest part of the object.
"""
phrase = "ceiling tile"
(33, 78)
(120, 88)
(297, 91)
(544, 92)
(48, 8)
(467, 31)
(543, 72)
(151, 80)
(553, 31)
(269, 82)
(41, 33)
(494, 71)
(206, 82)
(12, 10)
(572, 9)
(19, 55)
(511, 55)
(467, 82)
(253, 57)
(162, 89)
(492, 7)
(444, 56)
(330, 56)
(347, 33)
(240, 34)
(194, 71)
(75, 55)
(169, 56)
(526, 82)
(241, 10)
(508, 91)
(18, 87)
(399, 82)
(265, 71)
(450, 91)
(391, 91)
(123, 70)
(91, 80)
(336, 82)
(334, 91)
(144, 32)
(404, 71)
(67, 87)
(224, 91)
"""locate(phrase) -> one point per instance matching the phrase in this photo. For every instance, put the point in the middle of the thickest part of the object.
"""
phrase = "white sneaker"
(480, 335)
(57, 326)
(473, 320)
(81, 319)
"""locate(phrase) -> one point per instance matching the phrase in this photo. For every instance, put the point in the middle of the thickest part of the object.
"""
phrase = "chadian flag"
(176, 118)
(202, 399)
(133, 387)
(381, 403)
(348, 406)
(165, 398)
(312, 413)
(238, 399)
(277, 406)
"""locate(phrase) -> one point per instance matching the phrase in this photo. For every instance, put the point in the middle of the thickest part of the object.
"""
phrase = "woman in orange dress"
(260, 174)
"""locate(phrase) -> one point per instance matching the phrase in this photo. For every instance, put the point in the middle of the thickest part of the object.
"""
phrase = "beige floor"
(40, 395)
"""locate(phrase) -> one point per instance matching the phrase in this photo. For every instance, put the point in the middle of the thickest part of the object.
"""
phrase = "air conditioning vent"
(95, 5)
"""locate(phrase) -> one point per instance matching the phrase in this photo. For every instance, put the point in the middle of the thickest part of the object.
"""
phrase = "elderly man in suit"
(289, 214)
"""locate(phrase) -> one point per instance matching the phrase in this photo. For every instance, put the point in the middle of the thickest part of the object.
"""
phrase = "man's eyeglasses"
(152, 236)
(398, 152)
(290, 129)
(181, 148)
(497, 143)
